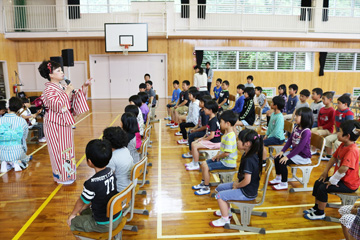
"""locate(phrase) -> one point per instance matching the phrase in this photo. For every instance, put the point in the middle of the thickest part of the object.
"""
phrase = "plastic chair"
(232, 100)
(346, 199)
(246, 207)
(116, 204)
(319, 143)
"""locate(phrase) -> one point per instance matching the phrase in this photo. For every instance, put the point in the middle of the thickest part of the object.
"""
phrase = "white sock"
(225, 218)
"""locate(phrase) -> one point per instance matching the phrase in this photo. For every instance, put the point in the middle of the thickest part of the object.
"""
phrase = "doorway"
(4, 81)
(119, 76)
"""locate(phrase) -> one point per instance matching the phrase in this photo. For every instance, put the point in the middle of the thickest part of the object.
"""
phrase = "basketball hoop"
(125, 48)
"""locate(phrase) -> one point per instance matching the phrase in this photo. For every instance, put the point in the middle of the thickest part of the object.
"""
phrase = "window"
(358, 62)
(104, 6)
(342, 62)
(240, 60)
(344, 8)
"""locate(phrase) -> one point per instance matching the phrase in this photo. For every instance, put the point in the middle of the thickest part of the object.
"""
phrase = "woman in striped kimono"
(61, 105)
(13, 134)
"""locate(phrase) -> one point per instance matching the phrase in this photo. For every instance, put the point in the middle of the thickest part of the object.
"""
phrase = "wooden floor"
(32, 206)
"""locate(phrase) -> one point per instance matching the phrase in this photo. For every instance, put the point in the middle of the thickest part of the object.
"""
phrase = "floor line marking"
(38, 149)
(256, 208)
(83, 119)
(159, 217)
(48, 199)
(242, 233)
(22, 200)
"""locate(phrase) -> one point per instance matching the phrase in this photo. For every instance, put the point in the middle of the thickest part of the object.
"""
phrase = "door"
(99, 71)
(119, 77)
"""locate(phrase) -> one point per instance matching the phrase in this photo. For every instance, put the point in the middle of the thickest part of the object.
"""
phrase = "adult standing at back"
(61, 104)
(209, 74)
(200, 80)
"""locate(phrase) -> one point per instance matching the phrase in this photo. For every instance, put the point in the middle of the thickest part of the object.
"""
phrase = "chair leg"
(141, 211)
(130, 228)
(118, 236)
(245, 215)
(304, 180)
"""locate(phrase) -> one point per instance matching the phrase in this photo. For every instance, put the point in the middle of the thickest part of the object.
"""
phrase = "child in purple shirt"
(300, 153)
(144, 107)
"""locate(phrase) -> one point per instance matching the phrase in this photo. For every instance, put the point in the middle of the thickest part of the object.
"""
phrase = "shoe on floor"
(73, 127)
(311, 210)
(203, 191)
(314, 152)
(193, 167)
(188, 164)
(274, 182)
(264, 163)
(199, 186)
(280, 187)
(174, 126)
(182, 141)
(5, 167)
(42, 140)
(326, 158)
(167, 118)
(170, 124)
(187, 155)
(219, 223)
(17, 167)
(23, 164)
(313, 216)
(178, 134)
(218, 213)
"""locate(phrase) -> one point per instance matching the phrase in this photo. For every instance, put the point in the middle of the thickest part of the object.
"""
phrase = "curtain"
(20, 15)
(185, 9)
(322, 60)
(199, 57)
(201, 9)
(74, 10)
(305, 10)
(325, 13)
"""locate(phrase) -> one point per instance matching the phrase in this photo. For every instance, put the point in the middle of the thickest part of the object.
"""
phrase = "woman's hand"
(69, 89)
(88, 82)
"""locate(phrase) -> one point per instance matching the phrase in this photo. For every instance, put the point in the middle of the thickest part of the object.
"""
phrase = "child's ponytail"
(249, 135)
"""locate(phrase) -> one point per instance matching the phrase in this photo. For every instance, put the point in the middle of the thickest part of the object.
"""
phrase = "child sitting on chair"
(346, 173)
(247, 115)
(300, 152)
(212, 138)
(3, 108)
(350, 221)
(247, 185)
(225, 158)
(97, 191)
(144, 107)
(129, 124)
(136, 100)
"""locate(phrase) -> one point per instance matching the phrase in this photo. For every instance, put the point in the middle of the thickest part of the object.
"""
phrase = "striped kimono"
(13, 134)
(58, 121)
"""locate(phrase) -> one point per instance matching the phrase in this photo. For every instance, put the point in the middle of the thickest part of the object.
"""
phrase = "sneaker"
(169, 124)
(178, 134)
(193, 167)
(199, 186)
(23, 164)
(188, 164)
(264, 163)
(182, 141)
(42, 140)
(314, 152)
(17, 167)
(174, 126)
(280, 187)
(218, 213)
(313, 216)
(264, 127)
(326, 157)
(311, 210)
(187, 155)
(5, 167)
(167, 118)
(203, 191)
(73, 127)
(274, 182)
(219, 223)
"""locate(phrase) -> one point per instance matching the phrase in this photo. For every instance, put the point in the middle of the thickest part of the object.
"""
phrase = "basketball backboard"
(134, 35)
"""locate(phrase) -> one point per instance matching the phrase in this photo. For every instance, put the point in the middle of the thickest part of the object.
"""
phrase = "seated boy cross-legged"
(346, 173)
(97, 191)
(226, 157)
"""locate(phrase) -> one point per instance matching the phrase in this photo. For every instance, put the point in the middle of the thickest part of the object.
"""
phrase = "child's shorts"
(273, 141)
(210, 145)
(347, 218)
(321, 132)
(182, 110)
(226, 193)
(216, 165)
(170, 105)
(85, 222)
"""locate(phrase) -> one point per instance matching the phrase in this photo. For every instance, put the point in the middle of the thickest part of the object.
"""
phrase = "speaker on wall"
(68, 57)
(58, 59)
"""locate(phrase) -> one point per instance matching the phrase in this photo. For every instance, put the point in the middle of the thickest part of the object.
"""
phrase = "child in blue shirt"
(292, 99)
(239, 104)
(217, 88)
(174, 98)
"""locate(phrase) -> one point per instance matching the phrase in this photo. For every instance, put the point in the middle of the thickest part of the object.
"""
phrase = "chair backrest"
(232, 98)
(265, 179)
(147, 131)
(119, 201)
(258, 111)
(144, 147)
(318, 142)
(288, 126)
(138, 170)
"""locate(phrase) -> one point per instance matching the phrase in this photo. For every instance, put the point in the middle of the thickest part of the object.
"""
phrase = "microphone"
(68, 82)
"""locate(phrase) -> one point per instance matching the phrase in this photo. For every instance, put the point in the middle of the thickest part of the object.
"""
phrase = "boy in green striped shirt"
(227, 156)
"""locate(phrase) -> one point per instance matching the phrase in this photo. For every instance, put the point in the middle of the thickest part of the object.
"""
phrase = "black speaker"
(58, 59)
(68, 56)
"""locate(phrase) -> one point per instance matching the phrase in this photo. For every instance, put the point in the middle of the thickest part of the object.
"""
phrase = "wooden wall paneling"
(181, 60)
